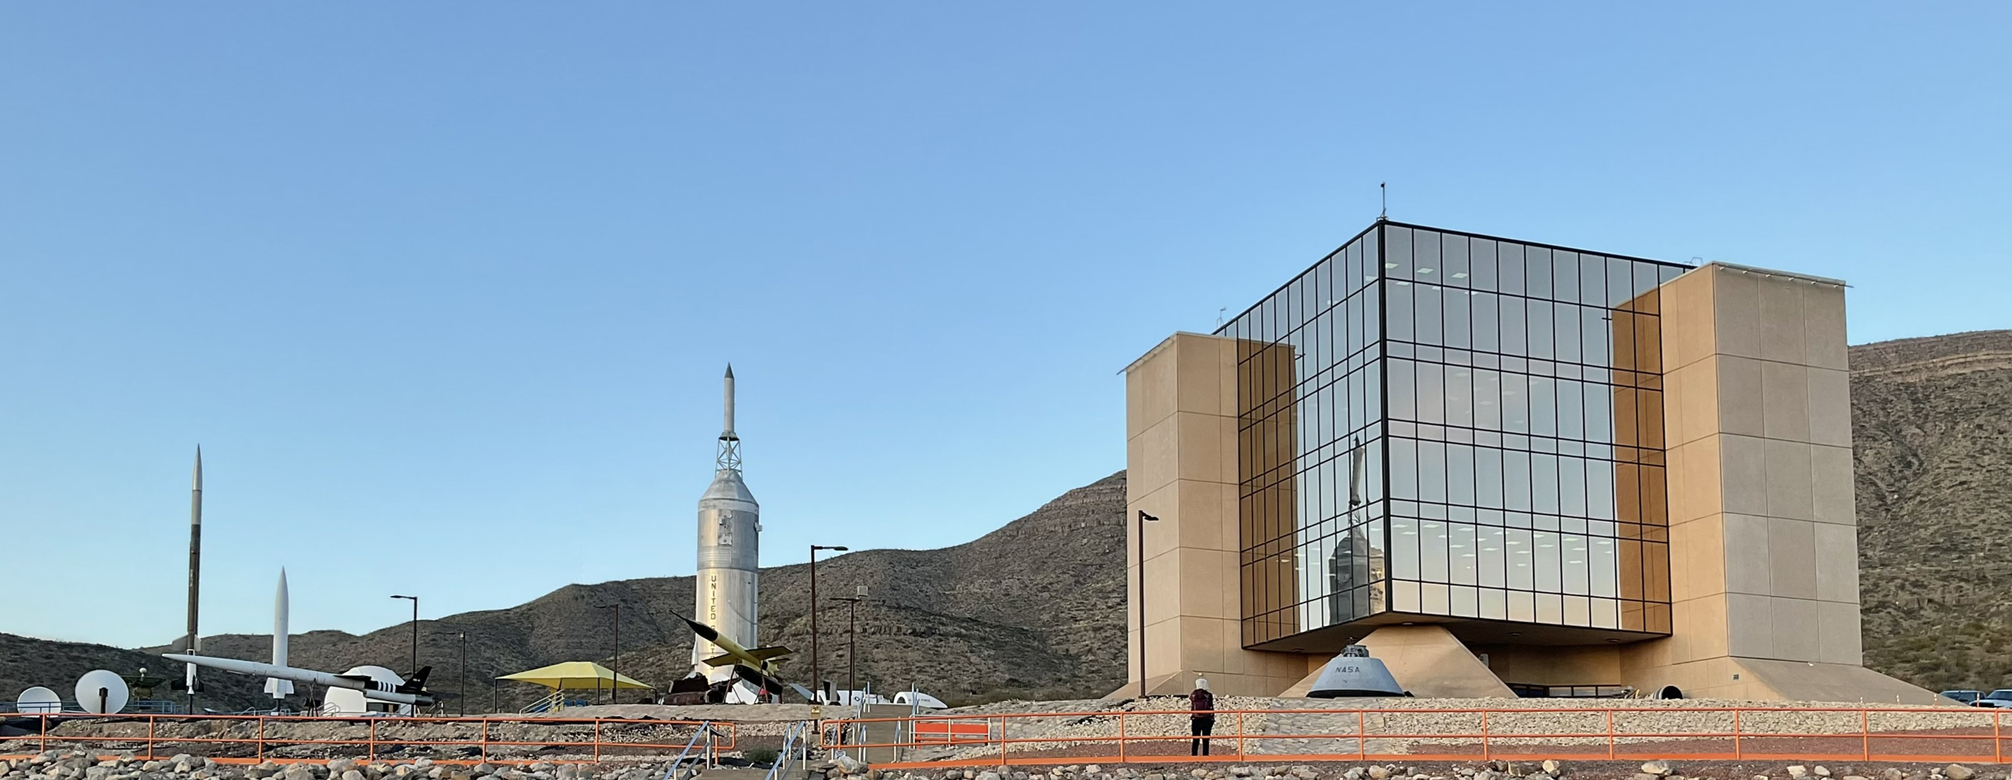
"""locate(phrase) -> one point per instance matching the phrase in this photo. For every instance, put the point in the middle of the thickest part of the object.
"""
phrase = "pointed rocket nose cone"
(199, 467)
(730, 370)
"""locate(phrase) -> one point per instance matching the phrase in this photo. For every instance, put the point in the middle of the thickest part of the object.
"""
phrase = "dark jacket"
(1203, 704)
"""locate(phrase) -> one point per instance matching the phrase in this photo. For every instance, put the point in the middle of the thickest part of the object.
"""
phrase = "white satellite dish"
(101, 691)
(38, 700)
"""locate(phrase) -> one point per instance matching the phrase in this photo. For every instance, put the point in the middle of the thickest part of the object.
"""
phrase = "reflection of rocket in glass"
(1358, 473)
(279, 688)
(729, 545)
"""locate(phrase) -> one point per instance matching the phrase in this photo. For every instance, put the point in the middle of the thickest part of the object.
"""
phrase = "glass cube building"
(1437, 426)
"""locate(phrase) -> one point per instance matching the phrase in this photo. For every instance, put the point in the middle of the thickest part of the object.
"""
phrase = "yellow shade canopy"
(574, 674)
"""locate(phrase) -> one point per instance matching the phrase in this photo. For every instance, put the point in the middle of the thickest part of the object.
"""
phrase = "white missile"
(412, 692)
(279, 687)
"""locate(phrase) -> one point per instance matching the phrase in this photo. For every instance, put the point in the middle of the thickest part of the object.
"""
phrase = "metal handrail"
(790, 738)
(556, 700)
(703, 732)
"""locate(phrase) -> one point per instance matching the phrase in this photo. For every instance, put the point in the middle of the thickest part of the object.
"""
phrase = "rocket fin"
(278, 688)
(770, 652)
(723, 659)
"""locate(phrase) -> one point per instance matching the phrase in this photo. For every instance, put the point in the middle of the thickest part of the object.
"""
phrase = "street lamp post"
(462, 687)
(816, 681)
(617, 607)
(1143, 520)
(852, 643)
(415, 636)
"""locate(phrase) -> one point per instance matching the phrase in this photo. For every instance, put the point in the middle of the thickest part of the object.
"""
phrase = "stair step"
(734, 773)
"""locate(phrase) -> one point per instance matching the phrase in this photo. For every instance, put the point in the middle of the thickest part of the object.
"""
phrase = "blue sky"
(458, 280)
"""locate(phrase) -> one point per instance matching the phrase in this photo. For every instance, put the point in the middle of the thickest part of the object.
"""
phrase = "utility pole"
(816, 680)
(852, 642)
(414, 669)
(1143, 520)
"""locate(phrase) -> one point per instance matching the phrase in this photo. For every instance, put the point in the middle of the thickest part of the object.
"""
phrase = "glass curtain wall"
(1525, 432)
(1444, 424)
(1310, 393)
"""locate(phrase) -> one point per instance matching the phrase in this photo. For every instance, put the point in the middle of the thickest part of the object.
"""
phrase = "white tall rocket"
(279, 688)
(729, 552)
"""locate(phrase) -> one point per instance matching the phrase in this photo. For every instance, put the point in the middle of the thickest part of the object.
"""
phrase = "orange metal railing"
(254, 738)
(1872, 734)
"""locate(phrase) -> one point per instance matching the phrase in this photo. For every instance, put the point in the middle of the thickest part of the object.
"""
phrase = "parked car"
(1963, 697)
(2001, 698)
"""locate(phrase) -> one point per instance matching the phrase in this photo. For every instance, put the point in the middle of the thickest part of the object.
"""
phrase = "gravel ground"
(1418, 728)
(315, 738)
(1536, 726)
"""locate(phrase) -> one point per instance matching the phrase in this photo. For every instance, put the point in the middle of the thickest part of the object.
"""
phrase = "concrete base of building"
(1427, 661)
(1731, 677)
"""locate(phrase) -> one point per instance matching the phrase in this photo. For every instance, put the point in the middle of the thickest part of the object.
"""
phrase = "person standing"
(1201, 717)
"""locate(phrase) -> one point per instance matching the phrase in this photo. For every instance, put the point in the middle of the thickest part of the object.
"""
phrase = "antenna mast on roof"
(1384, 193)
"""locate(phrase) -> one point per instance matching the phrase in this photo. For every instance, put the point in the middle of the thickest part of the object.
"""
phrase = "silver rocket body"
(729, 548)
(279, 687)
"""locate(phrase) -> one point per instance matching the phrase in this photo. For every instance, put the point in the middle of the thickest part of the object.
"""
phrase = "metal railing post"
(1610, 735)
(1121, 737)
(370, 751)
(1361, 736)
(597, 740)
(151, 719)
(1736, 733)
(261, 738)
(485, 739)
(1865, 731)
(1240, 735)
(1997, 745)
(1484, 735)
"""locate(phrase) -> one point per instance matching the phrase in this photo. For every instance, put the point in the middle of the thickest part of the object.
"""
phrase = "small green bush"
(762, 756)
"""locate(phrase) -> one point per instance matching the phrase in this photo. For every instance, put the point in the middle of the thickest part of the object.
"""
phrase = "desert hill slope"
(1932, 424)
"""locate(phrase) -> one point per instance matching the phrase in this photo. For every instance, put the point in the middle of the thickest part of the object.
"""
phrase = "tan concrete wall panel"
(1791, 549)
(1781, 320)
(1789, 480)
(1785, 401)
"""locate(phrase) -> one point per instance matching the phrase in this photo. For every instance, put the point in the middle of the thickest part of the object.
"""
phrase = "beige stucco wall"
(1763, 534)
(1181, 450)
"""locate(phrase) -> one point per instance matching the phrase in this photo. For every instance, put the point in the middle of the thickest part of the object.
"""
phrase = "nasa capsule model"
(1354, 673)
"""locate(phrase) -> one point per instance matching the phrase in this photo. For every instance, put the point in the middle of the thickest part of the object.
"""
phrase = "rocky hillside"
(1032, 609)
(1933, 428)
